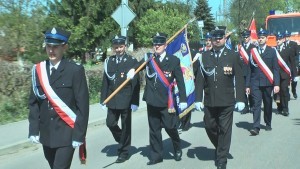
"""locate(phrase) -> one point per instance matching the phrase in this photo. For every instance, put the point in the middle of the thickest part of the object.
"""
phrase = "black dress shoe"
(254, 131)
(295, 95)
(285, 113)
(268, 128)
(121, 159)
(177, 155)
(152, 162)
(278, 111)
(221, 166)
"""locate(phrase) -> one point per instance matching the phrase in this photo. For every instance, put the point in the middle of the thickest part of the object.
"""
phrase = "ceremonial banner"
(180, 48)
(252, 28)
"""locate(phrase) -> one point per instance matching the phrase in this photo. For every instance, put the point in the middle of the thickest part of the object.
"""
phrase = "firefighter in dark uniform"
(161, 114)
(294, 48)
(125, 101)
(208, 44)
(259, 85)
(285, 77)
(59, 102)
(247, 46)
(219, 67)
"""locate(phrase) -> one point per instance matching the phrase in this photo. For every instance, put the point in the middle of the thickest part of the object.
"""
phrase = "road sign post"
(123, 15)
(201, 25)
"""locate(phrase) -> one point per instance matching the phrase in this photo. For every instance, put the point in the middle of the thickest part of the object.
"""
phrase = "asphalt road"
(276, 149)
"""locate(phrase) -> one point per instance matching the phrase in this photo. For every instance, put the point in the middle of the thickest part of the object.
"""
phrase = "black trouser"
(159, 117)
(248, 98)
(218, 126)
(60, 157)
(186, 121)
(262, 94)
(284, 95)
(122, 136)
(293, 86)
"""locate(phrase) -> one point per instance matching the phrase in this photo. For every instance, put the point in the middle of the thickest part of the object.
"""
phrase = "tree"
(19, 24)
(167, 20)
(203, 12)
(88, 20)
(242, 11)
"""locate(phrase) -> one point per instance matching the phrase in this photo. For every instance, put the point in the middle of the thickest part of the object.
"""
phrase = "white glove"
(35, 139)
(103, 106)
(130, 74)
(76, 144)
(240, 106)
(197, 56)
(296, 79)
(134, 107)
(182, 105)
(199, 106)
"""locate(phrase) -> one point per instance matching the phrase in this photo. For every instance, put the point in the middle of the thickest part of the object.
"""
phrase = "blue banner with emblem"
(179, 47)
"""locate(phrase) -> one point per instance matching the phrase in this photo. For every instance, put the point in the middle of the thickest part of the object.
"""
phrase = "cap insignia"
(53, 31)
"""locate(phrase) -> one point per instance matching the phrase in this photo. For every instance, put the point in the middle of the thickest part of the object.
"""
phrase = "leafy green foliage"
(241, 11)
(168, 21)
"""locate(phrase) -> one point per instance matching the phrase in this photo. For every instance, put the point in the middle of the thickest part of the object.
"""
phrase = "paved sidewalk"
(14, 136)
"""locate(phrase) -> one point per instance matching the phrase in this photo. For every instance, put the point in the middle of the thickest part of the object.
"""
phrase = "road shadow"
(202, 153)
(167, 148)
(110, 150)
(198, 124)
(244, 125)
(296, 121)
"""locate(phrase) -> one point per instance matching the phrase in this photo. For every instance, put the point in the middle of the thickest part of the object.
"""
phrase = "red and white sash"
(282, 63)
(64, 112)
(262, 65)
(244, 54)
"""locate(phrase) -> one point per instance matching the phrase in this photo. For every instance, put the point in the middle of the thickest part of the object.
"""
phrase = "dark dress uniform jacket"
(295, 52)
(129, 94)
(69, 83)
(257, 77)
(288, 58)
(155, 93)
(219, 89)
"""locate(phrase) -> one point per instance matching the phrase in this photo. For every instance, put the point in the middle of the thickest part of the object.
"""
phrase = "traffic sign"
(123, 15)
(200, 23)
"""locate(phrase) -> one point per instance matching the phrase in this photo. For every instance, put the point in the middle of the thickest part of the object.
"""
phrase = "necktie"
(217, 55)
(52, 71)
(261, 50)
(119, 59)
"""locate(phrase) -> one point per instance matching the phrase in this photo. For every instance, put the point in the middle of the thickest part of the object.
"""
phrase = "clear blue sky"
(214, 4)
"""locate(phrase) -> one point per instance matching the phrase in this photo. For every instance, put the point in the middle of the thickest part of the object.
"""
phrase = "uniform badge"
(53, 31)
(167, 73)
(227, 70)
(122, 74)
